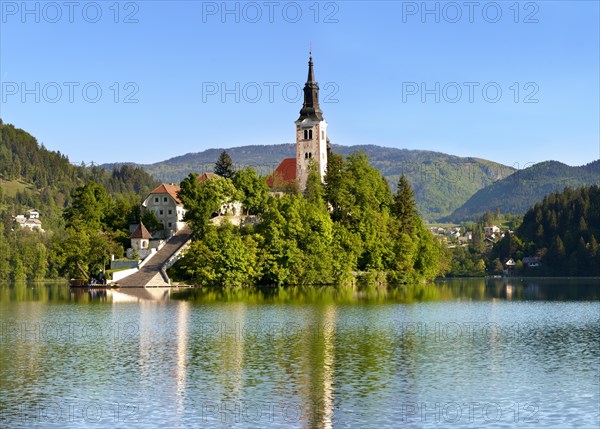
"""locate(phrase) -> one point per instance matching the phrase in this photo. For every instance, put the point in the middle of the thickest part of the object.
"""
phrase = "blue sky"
(391, 73)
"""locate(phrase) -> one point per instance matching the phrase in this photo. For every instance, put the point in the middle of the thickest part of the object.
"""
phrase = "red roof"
(141, 232)
(206, 176)
(168, 188)
(285, 172)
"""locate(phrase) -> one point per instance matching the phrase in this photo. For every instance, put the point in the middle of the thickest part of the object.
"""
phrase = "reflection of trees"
(372, 357)
(331, 294)
(41, 292)
(26, 349)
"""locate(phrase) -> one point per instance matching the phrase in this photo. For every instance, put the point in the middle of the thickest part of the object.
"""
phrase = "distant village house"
(31, 220)
(493, 229)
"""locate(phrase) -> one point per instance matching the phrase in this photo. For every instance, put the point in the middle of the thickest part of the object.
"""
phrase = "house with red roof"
(167, 207)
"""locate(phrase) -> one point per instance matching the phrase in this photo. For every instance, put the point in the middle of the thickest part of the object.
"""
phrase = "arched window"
(310, 134)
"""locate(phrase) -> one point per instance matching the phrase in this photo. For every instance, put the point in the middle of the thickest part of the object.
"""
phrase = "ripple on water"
(310, 364)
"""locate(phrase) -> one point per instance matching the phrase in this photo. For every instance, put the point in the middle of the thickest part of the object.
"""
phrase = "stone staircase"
(152, 274)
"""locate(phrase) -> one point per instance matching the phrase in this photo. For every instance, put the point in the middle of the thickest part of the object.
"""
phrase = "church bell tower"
(311, 132)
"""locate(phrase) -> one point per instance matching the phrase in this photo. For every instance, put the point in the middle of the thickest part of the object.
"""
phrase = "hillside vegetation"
(562, 231)
(441, 182)
(32, 177)
(519, 191)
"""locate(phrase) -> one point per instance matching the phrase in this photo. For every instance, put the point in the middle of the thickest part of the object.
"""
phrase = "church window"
(305, 134)
(310, 134)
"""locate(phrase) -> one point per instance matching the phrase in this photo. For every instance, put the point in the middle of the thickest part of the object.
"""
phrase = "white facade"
(167, 210)
(27, 222)
(140, 243)
(491, 229)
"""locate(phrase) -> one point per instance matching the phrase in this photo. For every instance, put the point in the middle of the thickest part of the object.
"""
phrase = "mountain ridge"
(442, 182)
(518, 192)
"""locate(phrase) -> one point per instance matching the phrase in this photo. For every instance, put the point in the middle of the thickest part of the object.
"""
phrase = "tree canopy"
(331, 234)
(561, 231)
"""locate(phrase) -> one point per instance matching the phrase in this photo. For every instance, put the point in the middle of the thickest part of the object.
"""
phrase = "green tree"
(40, 263)
(497, 267)
(314, 192)
(254, 189)
(557, 255)
(404, 207)
(202, 200)
(19, 273)
(334, 180)
(151, 222)
(224, 166)
(90, 207)
(223, 258)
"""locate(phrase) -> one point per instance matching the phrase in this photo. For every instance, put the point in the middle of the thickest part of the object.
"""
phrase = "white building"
(32, 214)
(140, 238)
(167, 207)
(24, 221)
(491, 229)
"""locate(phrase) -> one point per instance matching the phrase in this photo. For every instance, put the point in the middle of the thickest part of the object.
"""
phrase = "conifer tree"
(404, 206)
(224, 166)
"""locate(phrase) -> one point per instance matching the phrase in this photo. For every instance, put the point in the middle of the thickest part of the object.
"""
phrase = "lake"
(474, 353)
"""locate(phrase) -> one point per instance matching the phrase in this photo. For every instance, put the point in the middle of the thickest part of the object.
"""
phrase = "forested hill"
(521, 190)
(441, 182)
(33, 177)
(563, 230)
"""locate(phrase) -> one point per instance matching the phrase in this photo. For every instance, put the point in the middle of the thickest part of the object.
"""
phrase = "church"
(311, 139)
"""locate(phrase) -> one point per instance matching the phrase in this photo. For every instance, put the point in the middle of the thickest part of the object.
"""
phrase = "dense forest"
(352, 227)
(32, 177)
(562, 231)
(558, 235)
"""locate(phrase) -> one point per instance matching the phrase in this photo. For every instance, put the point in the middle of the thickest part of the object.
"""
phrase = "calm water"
(462, 353)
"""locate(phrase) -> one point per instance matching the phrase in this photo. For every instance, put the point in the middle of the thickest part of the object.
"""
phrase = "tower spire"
(310, 108)
(311, 132)
(311, 71)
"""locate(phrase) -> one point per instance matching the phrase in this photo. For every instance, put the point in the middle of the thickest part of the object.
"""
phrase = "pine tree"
(224, 166)
(404, 206)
